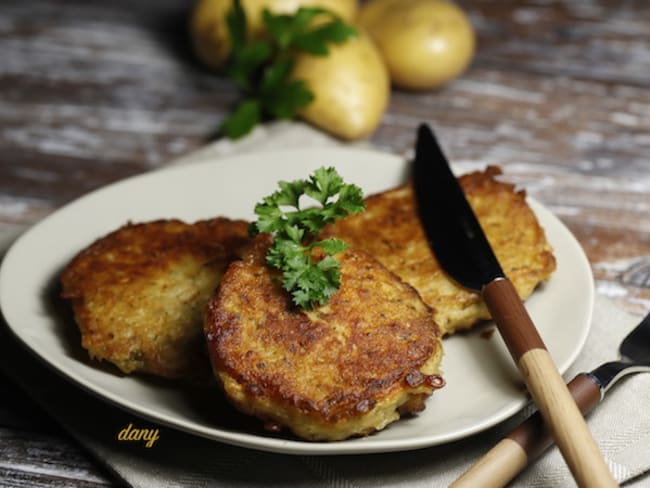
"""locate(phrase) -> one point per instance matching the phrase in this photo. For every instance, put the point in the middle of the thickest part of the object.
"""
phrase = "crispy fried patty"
(138, 293)
(390, 231)
(347, 368)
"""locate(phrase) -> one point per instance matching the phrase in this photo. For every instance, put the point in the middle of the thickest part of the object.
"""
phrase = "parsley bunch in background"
(295, 229)
(262, 67)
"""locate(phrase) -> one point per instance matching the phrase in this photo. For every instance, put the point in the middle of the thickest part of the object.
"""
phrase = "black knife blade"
(453, 231)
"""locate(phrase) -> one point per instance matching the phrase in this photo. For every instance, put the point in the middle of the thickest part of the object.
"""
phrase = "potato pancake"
(343, 369)
(138, 293)
(390, 230)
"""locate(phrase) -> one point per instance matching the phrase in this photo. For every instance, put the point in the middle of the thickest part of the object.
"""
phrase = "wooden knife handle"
(505, 460)
(546, 386)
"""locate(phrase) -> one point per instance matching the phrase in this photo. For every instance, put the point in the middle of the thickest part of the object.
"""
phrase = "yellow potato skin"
(424, 43)
(351, 88)
(209, 31)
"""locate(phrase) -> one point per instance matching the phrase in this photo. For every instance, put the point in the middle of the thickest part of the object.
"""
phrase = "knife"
(464, 253)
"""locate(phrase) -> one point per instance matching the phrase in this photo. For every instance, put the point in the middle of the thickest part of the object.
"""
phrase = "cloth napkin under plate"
(621, 424)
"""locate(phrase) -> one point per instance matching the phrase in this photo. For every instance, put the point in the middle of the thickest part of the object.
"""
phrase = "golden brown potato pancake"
(138, 293)
(390, 231)
(343, 369)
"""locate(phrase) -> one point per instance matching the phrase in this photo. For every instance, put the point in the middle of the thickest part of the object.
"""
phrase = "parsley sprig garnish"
(311, 280)
(262, 67)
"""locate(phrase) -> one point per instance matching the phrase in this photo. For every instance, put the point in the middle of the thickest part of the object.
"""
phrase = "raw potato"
(351, 88)
(209, 31)
(425, 43)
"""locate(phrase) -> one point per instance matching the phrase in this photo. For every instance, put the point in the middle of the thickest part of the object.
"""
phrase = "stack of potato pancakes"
(189, 301)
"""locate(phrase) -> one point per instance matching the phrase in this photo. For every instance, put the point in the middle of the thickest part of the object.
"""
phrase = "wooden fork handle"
(511, 455)
(546, 386)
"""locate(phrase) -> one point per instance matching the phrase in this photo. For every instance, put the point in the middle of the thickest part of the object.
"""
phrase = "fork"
(526, 442)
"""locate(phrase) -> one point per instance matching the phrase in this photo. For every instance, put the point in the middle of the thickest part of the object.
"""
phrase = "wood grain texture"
(35, 451)
(29, 459)
(558, 95)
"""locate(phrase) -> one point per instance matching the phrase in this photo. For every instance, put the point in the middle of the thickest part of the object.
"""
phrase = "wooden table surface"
(93, 91)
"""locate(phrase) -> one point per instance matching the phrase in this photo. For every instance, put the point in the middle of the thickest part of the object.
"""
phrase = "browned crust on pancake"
(343, 369)
(138, 293)
(390, 231)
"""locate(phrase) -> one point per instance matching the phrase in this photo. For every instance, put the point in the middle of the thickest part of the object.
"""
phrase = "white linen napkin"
(621, 424)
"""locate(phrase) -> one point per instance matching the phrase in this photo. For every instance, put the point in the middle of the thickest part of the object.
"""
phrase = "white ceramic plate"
(482, 382)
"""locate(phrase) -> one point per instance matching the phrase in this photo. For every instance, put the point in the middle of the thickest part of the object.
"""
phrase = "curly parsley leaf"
(236, 22)
(262, 68)
(243, 68)
(310, 277)
(247, 114)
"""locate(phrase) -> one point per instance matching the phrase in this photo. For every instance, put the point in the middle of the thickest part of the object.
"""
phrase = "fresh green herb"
(310, 280)
(262, 67)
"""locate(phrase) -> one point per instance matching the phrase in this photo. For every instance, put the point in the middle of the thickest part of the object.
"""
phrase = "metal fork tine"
(636, 346)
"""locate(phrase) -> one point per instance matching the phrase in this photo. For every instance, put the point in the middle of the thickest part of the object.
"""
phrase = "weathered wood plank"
(35, 451)
(34, 459)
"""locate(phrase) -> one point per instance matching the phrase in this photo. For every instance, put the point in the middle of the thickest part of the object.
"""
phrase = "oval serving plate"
(482, 383)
